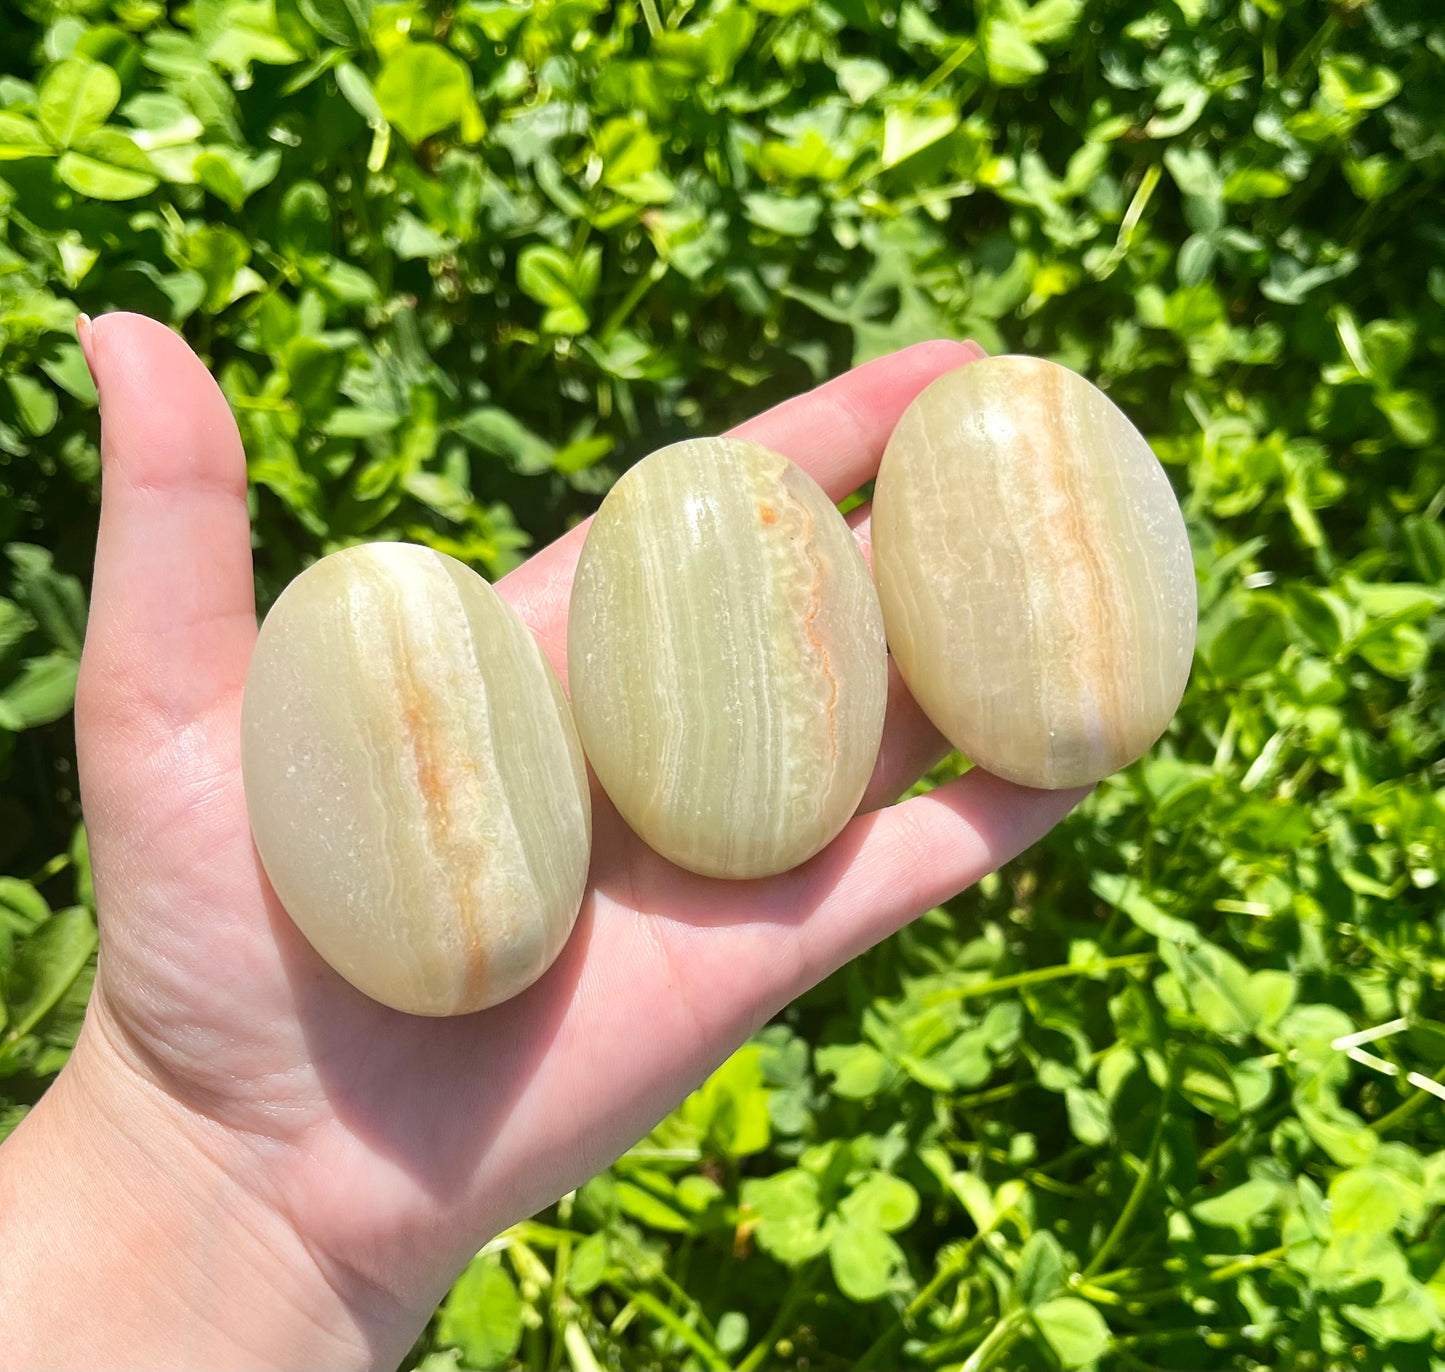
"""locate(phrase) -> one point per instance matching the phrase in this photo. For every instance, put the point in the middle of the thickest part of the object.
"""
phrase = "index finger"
(836, 433)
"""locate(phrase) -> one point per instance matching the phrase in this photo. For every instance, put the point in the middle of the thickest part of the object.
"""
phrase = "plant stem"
(1406, 1108)
(995, 1345)
(946, 68)
(644, 283)
(1136, 1195)
(802, 1288)
(1109, 1278)
(645, 1300)
(872, 1356)
(649, 13)
(560, 1321)
(579, 1351)
(1042, 974)
(994, 1094)
(940, 1279)
(1220, 1274)
(1098, 1294)
(56, 864)
(951, 1269)
(1248, 1264)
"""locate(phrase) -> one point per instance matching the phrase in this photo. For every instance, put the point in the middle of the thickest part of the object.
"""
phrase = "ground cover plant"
(458, 265)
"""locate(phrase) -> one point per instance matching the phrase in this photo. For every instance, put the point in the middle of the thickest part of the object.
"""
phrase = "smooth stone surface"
(726, 658)
(1035, 572)
(414, 779)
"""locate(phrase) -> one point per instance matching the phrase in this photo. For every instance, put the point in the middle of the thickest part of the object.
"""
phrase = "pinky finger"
(888, 867)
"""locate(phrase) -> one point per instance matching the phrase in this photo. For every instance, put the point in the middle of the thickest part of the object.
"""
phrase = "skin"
(273, 1169)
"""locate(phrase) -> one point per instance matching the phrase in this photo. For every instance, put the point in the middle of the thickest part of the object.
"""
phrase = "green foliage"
(456, 266)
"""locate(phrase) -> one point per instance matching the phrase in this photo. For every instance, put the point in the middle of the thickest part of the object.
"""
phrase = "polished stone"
(726, 658)
(414, 780)
(1034, 571)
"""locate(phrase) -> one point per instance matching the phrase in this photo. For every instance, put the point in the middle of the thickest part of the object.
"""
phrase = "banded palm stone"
(415, 783)
(1034, 572)
(726, 658)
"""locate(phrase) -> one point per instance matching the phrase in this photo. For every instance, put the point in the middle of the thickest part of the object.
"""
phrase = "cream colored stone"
(414, 779)
(1034, 571)
(726, 658)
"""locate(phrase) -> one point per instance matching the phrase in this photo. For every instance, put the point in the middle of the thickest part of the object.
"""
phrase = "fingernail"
(85, 335)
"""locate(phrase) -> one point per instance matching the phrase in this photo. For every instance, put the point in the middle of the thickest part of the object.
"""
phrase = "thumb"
(172, 614)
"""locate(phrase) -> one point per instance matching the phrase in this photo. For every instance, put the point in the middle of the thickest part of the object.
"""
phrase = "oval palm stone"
(1034, 571)
(726, 658)
(414, 780)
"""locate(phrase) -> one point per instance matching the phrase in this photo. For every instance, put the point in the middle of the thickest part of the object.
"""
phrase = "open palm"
(395, 1145)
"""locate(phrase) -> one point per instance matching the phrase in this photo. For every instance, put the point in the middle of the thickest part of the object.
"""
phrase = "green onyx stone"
(1034, 571)
(726, 658)
(415, 783)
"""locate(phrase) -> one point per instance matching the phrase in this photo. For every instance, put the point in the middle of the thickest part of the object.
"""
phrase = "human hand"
(354, 1157)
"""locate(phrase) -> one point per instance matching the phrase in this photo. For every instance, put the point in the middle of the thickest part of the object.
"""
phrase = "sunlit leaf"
(423, 89)
(482, 1317)
(1074, 1329)
(106, 165)
(866, 1262)
(21, 137)
(76, 96)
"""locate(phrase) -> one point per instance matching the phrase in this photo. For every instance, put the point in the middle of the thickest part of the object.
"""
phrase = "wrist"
(137, 1233)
